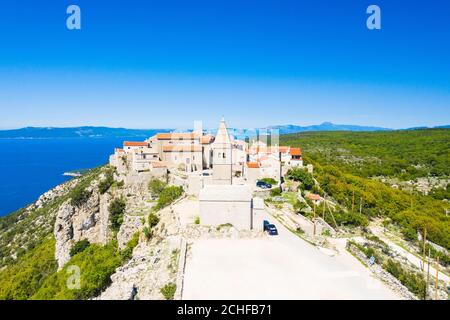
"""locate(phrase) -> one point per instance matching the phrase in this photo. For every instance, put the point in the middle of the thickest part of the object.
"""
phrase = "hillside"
(368, 168)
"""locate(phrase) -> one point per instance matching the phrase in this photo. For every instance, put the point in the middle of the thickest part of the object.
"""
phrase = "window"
(224, 155)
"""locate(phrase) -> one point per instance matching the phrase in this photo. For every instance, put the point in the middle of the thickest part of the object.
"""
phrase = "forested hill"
(405, 154)
(349, 164)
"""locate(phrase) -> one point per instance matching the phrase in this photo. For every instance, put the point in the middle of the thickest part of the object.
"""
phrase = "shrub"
(152, 220)
(127, 252)
(116, 211)
(106, 183)
(79, 196)
(148, 233)
(409, 233)
(302, 176)
(413, 281)
(275, 192)
(156, 186)
(269, 181)
(79, 247)
(167, 196)
(168, 291)
(299, 206)
(197, 220)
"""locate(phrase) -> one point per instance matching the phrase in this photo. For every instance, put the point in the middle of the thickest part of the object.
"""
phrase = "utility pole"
(428, 271)
(437, 280)
(423, 264)
(314, 230)
(360, 205)
(324, 204)
(353, 201)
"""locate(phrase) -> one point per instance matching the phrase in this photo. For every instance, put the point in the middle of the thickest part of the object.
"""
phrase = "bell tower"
(221, 157)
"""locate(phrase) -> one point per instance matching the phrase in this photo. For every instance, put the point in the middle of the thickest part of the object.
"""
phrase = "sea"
(30, 167)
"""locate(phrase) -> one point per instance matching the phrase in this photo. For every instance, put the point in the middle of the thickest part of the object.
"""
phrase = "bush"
(269, 181)
(106, 183)
(116, 211)
(275, 192)
(79, 196)
(152, 220)
(409, 233)
(148, 233)
(302, 176)
(97, 263)
(299, 206)
(127, 252)
(168, 291)
(79, 247)
(167, 196)
(156, 186)
(197, 220)
(413, 281)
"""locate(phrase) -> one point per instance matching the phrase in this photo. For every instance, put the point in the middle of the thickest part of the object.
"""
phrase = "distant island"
(107, 132)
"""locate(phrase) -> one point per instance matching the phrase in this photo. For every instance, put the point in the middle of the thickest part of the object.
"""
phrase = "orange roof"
(181, 148)
(253, 164)
(177, 136)
(135, 144)
(296, 152)
(159, 164)
(118, 150)
(313, 196)
(207, 139)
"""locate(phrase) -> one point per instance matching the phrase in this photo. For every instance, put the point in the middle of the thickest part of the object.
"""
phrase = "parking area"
(275, 267)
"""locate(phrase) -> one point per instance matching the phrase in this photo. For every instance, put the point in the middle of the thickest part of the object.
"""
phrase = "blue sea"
(30, 167)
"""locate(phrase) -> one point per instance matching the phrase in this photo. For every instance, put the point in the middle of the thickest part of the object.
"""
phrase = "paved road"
(276, 267)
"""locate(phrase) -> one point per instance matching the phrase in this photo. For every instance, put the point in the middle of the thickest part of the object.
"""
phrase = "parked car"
(272, 230)
(263, 185)
(266, 225)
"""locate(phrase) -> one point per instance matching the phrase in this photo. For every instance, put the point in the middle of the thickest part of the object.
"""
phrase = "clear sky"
(166, 63)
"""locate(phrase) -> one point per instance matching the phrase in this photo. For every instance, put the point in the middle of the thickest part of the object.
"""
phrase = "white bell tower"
(221, 158)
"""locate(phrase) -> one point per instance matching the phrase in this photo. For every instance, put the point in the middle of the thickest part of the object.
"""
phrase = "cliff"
(92, 227)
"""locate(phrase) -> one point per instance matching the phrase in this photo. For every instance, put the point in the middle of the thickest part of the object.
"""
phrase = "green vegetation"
(153, 220)
(156, 186)
(79, 196)
(444, 259)
(167, 196)
(301, 175)
(168, 291)
(116, 212)
(79, 247)
(20, 232)
(197, 220)
(412, 280)
(96, 264)
(23, 279)
(344, 163)
(275, 192)
(107, 182)
(270, 181)
(441, 193)
(402, 154)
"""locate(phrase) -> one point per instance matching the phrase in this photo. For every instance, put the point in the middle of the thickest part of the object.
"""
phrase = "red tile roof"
(253, 165)
(296, 152)
(313, 196)
(135, 144)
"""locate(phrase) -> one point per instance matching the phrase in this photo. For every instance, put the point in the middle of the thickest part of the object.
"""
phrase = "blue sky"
(166, 63)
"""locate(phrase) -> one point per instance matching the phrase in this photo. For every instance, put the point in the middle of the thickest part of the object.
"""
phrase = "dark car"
(272, 230)
(266, 225)
(263, 185)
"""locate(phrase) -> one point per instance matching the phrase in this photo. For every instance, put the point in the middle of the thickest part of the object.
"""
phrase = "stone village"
(220, 170)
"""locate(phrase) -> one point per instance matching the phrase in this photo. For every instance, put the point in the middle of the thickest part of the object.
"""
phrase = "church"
(220, 170)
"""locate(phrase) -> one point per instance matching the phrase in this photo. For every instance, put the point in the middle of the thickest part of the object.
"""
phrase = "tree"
(302, 176)
(156, 186)
(116, 211)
